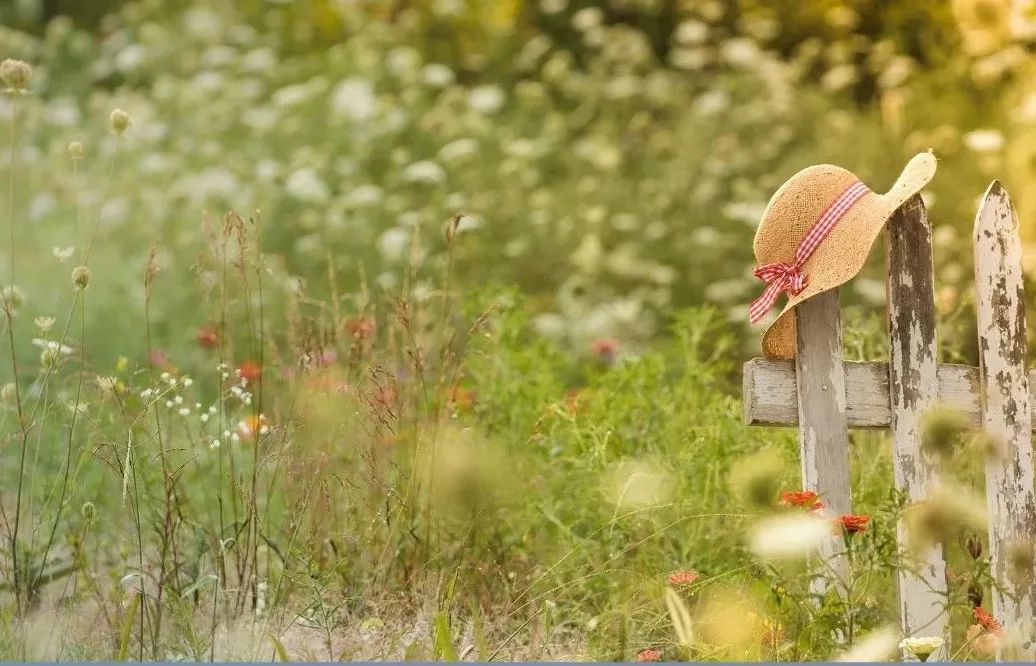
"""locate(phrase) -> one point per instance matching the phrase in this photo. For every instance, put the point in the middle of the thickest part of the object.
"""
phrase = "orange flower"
(649, 655)
(208, 336)
(252, 426)
(574, 400)
(801, 498)
(990, 623)
(250, 371)
(683, 577)
(461, 398)
(361, 328)
(852, 523)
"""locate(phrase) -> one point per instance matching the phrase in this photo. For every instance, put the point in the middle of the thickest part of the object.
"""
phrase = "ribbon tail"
(760, 306)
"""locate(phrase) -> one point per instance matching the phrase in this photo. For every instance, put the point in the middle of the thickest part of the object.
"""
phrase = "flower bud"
(15, 74)
(119, 121)
(80, 277)
(75, 150)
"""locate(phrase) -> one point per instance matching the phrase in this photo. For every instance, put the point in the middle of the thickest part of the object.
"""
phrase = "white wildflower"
(424, 171)
(184, 411)
(788, 536)
(921, 647)
(44, 324)
(587, 18)
(305, 185)
(436, 75)
(365, 195)
(458, 149)
(878, 645)
(984, 140)
(691, 32)
(353, 99)
(64, 253)
(52, 345)
(487, 99)
(393, 243)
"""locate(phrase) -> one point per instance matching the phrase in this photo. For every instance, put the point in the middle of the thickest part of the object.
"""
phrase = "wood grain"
(913, 389)
(824, 428)
(769, 392)
(1006, 411)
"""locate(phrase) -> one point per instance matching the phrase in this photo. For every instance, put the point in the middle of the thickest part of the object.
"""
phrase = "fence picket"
(824, 428)
(1006, 411)
(914, 388)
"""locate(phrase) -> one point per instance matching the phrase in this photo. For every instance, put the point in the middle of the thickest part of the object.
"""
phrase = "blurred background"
(609, 158)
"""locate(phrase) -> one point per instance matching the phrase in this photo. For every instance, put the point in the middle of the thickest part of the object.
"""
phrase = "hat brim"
(845, 250)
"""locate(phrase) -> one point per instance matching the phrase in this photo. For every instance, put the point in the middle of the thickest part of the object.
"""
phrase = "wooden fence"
(825, 396)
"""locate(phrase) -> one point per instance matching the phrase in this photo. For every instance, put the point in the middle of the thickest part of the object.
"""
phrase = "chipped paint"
(1006, 405)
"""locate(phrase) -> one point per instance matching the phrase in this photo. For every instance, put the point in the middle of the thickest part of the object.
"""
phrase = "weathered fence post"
(913, 389)
(824, 396)
(1006, 414)
(823, 427)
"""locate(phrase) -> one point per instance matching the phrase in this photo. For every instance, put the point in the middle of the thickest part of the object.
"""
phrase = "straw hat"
(816, 234)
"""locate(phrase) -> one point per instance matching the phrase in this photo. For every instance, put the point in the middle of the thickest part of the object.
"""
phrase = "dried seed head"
(49, 358)
(975, 595)
(15, 74)
(88, 510)
(119, 121)
(9, 394)
(75, 150)
(755, 480)
(973, 544)
(948, 512)
(1020, 560)
(12, 298)
(942, 430)
(80, 277)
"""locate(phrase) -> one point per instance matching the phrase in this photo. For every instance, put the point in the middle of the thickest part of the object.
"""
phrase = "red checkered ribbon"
(782, 277)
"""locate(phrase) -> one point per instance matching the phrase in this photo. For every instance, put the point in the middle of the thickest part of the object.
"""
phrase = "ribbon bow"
(779, 277)
(783, 277)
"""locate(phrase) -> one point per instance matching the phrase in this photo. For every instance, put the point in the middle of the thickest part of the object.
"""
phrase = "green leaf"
(444, 648)
(278, 647)
(127, 627)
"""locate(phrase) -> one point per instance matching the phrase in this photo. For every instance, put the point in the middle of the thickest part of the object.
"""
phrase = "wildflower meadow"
(358, 330)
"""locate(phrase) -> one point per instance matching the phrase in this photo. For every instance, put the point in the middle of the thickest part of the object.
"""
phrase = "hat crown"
(795, 207)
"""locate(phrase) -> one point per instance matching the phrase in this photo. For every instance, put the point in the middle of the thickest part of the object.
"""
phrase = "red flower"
(361, 328)
(605, 349)
(250, 371)
(798, 497)
(801, 498)
(159, 359)
(986, 619)
(649, 655)
(683, 577)
(852, 523)
(208, 336)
